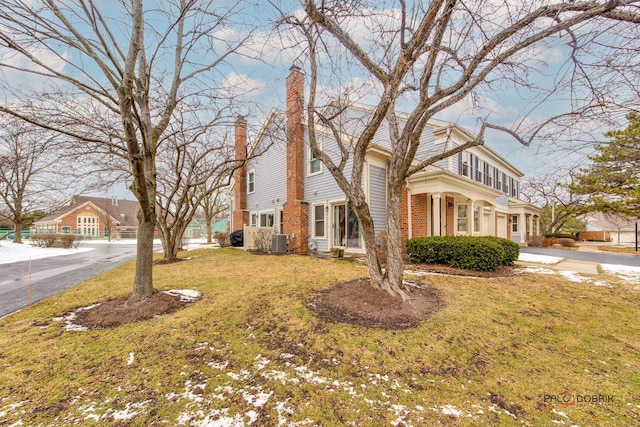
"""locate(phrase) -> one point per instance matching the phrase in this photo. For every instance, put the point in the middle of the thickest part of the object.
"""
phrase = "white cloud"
(241, 85)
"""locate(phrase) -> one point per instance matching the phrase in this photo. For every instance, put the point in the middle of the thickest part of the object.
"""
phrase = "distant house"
(609, 227)
(476, 192)
(92, 217)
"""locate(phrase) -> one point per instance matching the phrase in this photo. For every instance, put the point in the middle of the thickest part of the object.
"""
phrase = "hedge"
(485, 253)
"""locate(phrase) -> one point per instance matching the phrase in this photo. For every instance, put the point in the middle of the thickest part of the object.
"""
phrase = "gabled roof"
(354, 116)
(124, 212)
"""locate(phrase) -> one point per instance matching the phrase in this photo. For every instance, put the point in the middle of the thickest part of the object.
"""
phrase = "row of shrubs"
(486, 253)
(47, 240)
(545, 242)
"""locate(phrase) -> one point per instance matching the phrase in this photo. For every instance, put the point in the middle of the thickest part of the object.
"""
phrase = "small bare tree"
(560, 205)
(193, 166)
(214, 205)
(427, 58)
(31, 176)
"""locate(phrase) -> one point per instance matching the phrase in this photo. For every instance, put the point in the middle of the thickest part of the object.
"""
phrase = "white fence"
(258, 238)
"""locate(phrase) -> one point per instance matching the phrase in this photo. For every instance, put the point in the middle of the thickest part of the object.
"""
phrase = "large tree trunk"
(143, 284)
(391, 278)
(17, 229)
(209, 225)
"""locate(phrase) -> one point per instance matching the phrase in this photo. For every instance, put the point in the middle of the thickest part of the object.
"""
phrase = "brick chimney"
(296, 210)
(240, 213)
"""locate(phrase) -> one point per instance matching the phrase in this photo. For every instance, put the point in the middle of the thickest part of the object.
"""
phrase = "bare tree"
(427, 58)
(112, 76)
(214, 205)
(194, 165)
(31, 175)
(561, 206)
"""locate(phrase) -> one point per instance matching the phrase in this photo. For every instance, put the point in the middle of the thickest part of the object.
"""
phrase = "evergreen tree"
(613, 178)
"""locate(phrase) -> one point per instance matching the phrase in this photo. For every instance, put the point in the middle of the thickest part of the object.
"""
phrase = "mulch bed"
(356, 302)
(117, 312)
(504, 271)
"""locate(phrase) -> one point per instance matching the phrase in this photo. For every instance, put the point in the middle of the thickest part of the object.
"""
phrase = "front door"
(345, 227)
(339, 225)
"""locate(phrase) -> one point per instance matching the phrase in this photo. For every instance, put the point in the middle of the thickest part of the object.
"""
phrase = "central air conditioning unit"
(279, 243)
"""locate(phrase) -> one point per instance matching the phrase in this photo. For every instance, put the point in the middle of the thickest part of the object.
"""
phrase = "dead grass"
(619, 249)
(252, 351)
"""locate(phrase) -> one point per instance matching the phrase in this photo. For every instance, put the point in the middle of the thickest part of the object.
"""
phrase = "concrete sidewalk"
(585, 267)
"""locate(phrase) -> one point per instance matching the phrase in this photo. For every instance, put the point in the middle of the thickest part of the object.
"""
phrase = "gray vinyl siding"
(322, 188)
(378, 197)
(502, 200)
(270, 174)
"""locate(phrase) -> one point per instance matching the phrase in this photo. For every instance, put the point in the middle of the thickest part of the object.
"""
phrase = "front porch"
(442, 204)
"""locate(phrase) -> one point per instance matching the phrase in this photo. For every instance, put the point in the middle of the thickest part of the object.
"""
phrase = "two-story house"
(475, 192)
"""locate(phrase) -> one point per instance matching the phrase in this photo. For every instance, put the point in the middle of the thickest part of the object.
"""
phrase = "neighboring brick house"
(475, 192)
(609, 227)
(92, 217)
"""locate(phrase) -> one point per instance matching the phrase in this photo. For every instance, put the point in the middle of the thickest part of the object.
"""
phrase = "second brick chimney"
(296, 210)
(240, 213)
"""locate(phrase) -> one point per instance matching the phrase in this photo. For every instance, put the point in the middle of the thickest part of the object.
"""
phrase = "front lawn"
(507, 351)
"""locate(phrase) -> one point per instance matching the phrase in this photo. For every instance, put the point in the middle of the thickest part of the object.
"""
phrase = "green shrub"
(473, 253)
(511, 249)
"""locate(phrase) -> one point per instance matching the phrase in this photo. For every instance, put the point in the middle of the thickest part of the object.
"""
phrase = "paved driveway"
(49, 276)
(599, 257)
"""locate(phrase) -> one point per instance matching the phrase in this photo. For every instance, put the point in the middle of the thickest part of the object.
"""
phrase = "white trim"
(325, 212)
(266, 212)
(249, 173)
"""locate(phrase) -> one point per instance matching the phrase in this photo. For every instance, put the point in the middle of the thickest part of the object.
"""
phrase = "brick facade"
(595, 235)
(296, 210)
(404, 218)
(240, 213)
(419, 215)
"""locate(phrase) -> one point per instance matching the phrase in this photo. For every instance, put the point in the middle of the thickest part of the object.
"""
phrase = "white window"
(318, 221)
(463, 215)
(251, 182)
(66, 229)
(266, 219)
(315, 165)
(514, 224)
(254, 219)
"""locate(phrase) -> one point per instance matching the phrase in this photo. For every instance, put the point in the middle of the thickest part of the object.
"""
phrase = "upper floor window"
(463, 165)
(315, 166)
(251, 182)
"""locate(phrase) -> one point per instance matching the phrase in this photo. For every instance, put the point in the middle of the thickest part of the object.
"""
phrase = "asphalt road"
(599, 257)
(55, 274)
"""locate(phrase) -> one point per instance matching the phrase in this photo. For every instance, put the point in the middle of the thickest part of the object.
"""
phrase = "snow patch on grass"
(540, 259)
(186, 295)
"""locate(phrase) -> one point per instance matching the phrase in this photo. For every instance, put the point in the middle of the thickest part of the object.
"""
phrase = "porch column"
(436, 214)
(537, 225)
(473, 217)
(522, 227)
(530, 225)
(492, 221)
